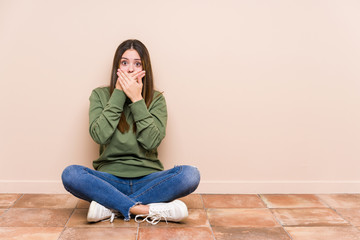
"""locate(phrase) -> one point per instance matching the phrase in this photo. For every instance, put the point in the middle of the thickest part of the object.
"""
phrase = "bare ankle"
(140, 209)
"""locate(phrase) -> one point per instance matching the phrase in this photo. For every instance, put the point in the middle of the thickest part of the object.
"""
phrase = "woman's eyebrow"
(128, 59)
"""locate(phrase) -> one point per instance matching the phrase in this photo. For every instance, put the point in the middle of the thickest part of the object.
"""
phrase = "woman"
(128, 120)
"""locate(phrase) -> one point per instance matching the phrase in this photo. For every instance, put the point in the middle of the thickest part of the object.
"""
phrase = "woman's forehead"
(131, 54)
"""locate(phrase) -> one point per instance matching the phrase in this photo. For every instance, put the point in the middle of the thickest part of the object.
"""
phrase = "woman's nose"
(131, 68)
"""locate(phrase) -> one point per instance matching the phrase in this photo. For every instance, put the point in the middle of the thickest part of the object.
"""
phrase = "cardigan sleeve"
(105, 119)
(150, 123)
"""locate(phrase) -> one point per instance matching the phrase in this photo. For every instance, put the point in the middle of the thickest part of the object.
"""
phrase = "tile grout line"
(207, 217)
(334, 209)
(22, 195)
(326, 206)
(281, 225)
(11, 206)
(64, 228)
(278, 221)
(261, 196)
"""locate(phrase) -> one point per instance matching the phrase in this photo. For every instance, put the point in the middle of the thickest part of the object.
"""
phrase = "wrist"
(136, 99)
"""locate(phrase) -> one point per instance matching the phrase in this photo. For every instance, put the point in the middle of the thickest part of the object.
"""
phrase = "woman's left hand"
(131, 84)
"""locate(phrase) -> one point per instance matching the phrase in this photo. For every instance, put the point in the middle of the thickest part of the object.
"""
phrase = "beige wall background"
(263, 96)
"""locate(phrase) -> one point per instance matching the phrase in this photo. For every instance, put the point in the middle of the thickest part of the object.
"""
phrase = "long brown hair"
(148, 83)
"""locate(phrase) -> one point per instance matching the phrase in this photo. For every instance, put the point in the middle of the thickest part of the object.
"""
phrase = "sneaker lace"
(154, 218)
(112, 217)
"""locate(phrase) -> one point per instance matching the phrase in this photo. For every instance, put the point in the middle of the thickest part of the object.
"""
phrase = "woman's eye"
(123, 63)
(138, 64)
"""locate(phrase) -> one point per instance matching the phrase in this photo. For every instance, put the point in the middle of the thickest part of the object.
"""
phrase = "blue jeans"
(123, 193)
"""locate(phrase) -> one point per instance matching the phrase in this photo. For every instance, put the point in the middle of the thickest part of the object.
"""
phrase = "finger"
(137, 74)
(124, 87)
(140, 75)
(119, 74)
(121, 80)
(124, 76)
(123, 83)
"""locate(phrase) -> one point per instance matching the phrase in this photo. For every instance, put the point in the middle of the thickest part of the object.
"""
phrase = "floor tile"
(323, 233)
(305, 216)
(196, 218)
(193, 201)
(30, 233)
(78, 219)
(292, 201)
(232, 201)
(226, 233)
(83, 204)
(236, 217)
(98, 233)
(46, 201)
(2, 211)
(308, 217)
(341, 200)
(7, 200)
(35, 217)
(175, 233)
(350, 214)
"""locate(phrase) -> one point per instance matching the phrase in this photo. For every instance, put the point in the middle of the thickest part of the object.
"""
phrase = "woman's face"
(130, 61)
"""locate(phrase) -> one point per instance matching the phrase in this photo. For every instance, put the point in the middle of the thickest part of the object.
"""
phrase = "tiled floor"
(250, 217)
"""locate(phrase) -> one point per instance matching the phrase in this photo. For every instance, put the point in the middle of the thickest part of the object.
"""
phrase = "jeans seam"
(128, 212)
(105, 178)
(166, 179)
(147, 180)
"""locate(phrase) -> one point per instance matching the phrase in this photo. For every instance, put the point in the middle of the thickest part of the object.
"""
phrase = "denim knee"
(191, 177)
(70, 174)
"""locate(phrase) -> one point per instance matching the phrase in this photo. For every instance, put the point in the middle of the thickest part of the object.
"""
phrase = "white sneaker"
(98, 213)
(174, 211)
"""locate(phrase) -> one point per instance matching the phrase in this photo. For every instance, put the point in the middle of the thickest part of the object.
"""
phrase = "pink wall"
(263, 96)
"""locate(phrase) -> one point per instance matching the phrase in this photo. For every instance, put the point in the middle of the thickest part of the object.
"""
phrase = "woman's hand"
(117, 85)
(131, 84)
